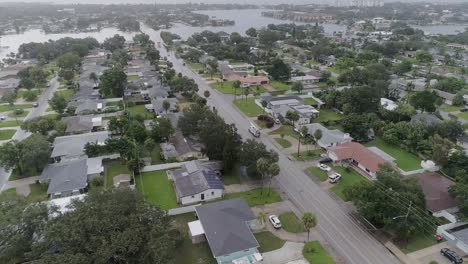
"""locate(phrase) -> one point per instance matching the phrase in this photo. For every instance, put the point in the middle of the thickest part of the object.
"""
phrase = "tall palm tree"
(309, 221)
(261, 217)
(303, 135)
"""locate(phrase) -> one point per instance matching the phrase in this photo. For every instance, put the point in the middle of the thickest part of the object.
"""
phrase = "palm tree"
(273, 170)
(261, 217)
(93, 76)
(317, 136)
(262, 167)
(309, 221)
(304, 134)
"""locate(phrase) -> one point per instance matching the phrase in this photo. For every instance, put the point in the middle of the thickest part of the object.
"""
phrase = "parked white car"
(274, 220)
(334, 177)
(324, 167)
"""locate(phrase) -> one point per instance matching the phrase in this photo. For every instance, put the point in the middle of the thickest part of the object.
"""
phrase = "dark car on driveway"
(325, 160)
(451, 255)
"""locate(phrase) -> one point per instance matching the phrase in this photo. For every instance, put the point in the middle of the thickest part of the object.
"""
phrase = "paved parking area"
(425, 256)
(290, 252)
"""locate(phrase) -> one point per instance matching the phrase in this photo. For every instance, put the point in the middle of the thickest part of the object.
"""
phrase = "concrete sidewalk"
(20, 182)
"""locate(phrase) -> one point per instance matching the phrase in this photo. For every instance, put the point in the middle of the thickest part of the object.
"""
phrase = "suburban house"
(197, 181)
(181, 147)
(426, 119)
(241, 67)
(278, 101)
(329, 137)
(82, 124)
(249, 81)
(89, 107)
(70, 147)
(227, 226)
(121, 181)
(306, 80)
(436, 193)
(446, 96)
(305, 112)
(8, 85)
(362, 158)
(456, 234)
(388, 104)
(65, 178)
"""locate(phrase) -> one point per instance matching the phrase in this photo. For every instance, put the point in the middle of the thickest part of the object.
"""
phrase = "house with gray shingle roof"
(227, 226)
(197, 181)
(72, 147)
(65, 178)
(329, 137)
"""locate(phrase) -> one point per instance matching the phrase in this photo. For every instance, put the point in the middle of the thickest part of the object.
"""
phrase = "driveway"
(429, 254)
(288, 253)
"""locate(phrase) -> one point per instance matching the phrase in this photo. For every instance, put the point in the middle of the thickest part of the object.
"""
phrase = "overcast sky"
(209, 1)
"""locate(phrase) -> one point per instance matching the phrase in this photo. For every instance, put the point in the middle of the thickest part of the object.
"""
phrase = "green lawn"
(6, 107)
(66, 93)
(280, 86)
(7, 134)
(189, 252)
(308, 154)
(12, 123)
(404, 159)
(416, 243)
(157, 188)
(318, 173)
(316, 254)
(156, 155)
(283, 142)
(38, 192)
(310, 101)
(23, 93)
(196, 66)
(232, 177)
(463, 115)
(328, 115)
(226, 87)
(248, 107)
(133, 77)
(140, 110)
(348, 179)
(256, 197)
(450, 108)
(286, 130)
(113, 169)
(268, 242)
(23, 114)
(291, 223)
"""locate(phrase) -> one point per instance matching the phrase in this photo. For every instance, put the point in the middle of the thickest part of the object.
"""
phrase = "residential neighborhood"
(336, 134)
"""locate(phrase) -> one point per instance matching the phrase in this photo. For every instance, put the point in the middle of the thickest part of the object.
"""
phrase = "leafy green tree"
(424, 56)
(309, 221)
(357, 126)
(10, 98)
(251, 151)
(292, 116)
(451, 85)
(251, 32)
(93, 76)
(268, 37)
(121, 57)
(161, 130)
(206, 93)
(424, 101)
(458, 100)
(43, 125)
(68, 61)
(113, 43)
(113, 82)
(137, 131)
(58, 103)
(441, 148)
(297, 87)
(140, 234)
(20, 225)
(166, 105)
(403, 67)
(279, 70)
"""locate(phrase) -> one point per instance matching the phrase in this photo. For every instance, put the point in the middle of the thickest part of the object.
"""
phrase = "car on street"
(275, 222)
(35, 104)
(324, 167)
(464, 109)
(334, 177)
(451, 255)
(2, 118)
(325, 160)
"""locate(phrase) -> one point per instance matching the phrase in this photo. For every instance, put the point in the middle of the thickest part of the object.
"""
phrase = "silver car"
(274, 220)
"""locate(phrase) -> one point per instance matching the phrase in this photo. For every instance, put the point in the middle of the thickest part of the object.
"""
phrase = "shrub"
(30, 96)
(19, 111)
(97, 182)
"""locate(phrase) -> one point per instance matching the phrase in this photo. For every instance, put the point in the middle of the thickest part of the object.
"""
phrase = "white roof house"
(388, 104)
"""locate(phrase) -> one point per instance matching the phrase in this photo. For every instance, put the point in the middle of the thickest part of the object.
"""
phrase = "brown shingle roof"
(436, 191)
(359, 153)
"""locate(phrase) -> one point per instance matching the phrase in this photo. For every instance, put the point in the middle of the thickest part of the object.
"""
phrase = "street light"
(406, 215)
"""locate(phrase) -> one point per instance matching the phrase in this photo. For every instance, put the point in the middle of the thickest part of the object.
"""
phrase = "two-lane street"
(20, 134)
(348, 238)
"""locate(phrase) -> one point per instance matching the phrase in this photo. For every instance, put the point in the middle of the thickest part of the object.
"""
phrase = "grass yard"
(450, 108)
(316, 254)
(140, 110)
(416, 243)
(14, 115)
(155, 155)
(248, 107)
(268, 242)
(291, 223)
(113, 169)
(66, 93)
(283, 142)
(189, 252)
(405, 160)
(286, 130)
(226, 87)
(196, 66)
(232, 177)
(7, 107)
(311, 101)
(23, 93)
(308, 154)
(463, 115)
(328, 115)
(38, 192)
(7, 134)
(256, 197)
(157, 188)
(133, 77)
(27, 173)
(12, 123)
(318, 173)
(348, 179)
(280, 86)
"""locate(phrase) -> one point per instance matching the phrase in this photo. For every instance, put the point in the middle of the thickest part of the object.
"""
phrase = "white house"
(388, 104)
(306, 80)
(329, 137)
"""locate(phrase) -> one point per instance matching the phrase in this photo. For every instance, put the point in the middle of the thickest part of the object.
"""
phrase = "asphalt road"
(35, 112)
(347, 237)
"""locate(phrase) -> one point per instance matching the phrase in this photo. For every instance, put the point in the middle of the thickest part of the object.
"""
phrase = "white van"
(254, 130)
